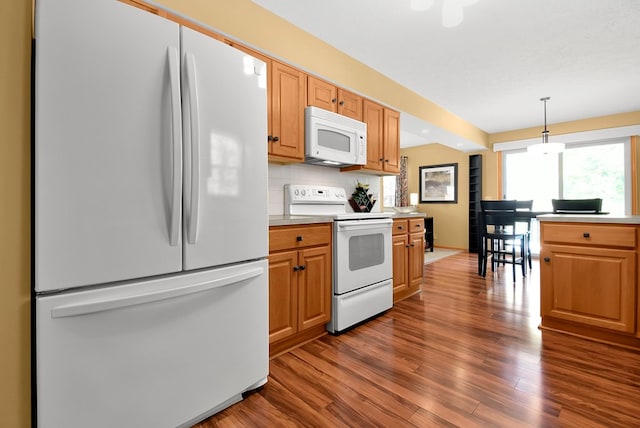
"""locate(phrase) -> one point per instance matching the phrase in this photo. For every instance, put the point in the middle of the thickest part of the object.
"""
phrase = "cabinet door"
(373, 116)
(589, 285)
(314, 287)
(391, 141)
(399, 253)
(322, 94)
(349, 104)
(288, 101)
(283, 295)
(416, 259)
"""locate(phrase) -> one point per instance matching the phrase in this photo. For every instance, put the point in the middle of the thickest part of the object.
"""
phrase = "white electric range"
(362, 265)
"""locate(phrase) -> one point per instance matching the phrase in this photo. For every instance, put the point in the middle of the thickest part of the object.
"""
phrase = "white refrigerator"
(150, 219)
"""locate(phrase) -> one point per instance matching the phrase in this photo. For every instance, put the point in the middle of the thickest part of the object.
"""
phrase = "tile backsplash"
(279, 175)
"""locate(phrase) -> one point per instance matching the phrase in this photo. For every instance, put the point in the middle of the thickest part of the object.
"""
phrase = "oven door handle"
(380, 223)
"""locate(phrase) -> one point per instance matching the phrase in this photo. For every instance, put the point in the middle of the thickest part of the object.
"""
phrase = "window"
(389, 191)
(587, 170)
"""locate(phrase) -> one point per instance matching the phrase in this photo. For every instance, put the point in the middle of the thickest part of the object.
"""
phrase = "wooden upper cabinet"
(349, 104)
(330, 97)
(322, 94)
(373, 114)
(383, 139)
(288, 100)
(391, 141)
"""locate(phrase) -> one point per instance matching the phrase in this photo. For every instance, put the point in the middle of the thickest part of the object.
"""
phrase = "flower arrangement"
(361, 200)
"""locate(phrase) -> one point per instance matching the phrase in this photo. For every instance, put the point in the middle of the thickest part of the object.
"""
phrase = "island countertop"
(590, 218)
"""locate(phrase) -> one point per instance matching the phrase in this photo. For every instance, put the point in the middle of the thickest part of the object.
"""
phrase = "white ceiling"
(493, 68)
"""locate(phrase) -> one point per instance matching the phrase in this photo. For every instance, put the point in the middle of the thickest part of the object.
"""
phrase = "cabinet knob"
(333, 100)
(276, 139)
(269, 138)
(412, 245)
(386, 160)
(406, 246)
(585, 235)
(400, 227)
(296, 268)
(381, 159)
(547, 259)
(299, 238)
(302, 267)
(341, 103)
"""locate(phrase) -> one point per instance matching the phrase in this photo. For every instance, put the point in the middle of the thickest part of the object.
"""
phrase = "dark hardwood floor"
(465, 352)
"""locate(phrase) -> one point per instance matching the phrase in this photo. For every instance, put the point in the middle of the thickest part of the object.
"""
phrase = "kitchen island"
(589, 277)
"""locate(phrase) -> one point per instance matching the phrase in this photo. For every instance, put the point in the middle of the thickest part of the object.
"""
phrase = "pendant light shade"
(545, 147)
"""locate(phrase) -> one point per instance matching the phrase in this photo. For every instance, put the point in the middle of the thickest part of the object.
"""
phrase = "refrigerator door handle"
(112, 303)
(193, 165)
(176, 145)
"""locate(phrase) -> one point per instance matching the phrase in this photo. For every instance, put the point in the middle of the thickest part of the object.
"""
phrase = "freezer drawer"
(161, 353)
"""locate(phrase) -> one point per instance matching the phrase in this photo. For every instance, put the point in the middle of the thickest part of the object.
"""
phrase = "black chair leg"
(524, 254)
(513, 259)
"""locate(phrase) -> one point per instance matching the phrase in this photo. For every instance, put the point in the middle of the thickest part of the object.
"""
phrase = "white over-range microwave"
(332, 139)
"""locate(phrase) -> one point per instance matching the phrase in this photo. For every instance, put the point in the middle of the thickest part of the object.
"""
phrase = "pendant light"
(545, 147)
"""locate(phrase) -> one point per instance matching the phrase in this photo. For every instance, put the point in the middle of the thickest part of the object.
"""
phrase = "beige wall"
(15, 24)
(450, 220)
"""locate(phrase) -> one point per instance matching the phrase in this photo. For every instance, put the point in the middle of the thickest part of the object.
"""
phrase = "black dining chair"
(501, 242)
(577, 206)
(523, 219)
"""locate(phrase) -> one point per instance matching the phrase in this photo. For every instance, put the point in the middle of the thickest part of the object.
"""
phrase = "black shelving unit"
(428, 233)
(475, 194)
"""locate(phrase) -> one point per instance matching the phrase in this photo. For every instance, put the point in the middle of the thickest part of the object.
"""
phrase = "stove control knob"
(304, 192)
(296, 192)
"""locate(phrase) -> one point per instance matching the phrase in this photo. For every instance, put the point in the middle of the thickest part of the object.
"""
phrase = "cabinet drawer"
(589, 234)
(416, 225)
(286, 237)
(400, 227)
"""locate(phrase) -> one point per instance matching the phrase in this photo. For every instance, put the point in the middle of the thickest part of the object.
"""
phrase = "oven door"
(362, 250)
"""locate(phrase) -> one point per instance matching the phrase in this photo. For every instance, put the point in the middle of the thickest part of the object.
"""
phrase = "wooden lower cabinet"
(408, 256)
(299, 284)
(589, 281)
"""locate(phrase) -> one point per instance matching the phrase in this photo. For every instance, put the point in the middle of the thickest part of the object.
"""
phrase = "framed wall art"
(439, 183)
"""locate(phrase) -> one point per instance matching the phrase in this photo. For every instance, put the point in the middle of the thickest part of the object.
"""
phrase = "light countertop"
(290, 220)
(590, 218)
(409, 215)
